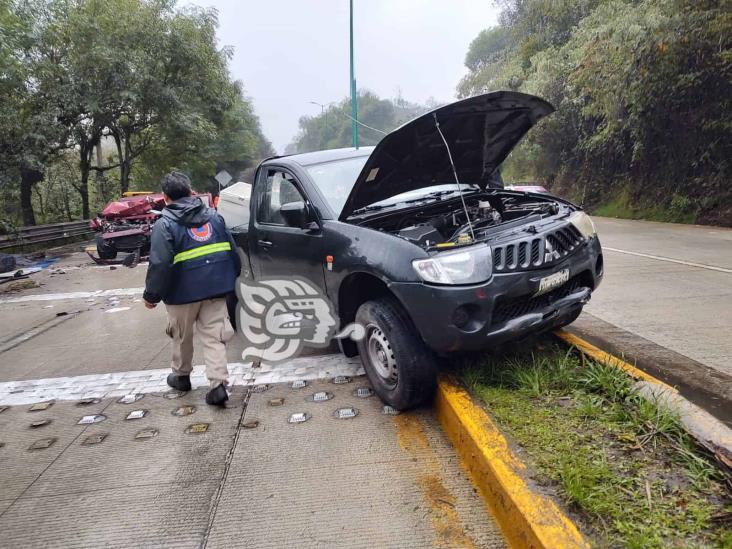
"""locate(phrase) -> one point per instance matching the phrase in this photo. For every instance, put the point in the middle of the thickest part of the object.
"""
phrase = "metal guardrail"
(40, 234)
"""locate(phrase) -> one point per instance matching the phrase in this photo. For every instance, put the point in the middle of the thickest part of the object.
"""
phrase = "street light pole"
(322, 112)
(354, 96)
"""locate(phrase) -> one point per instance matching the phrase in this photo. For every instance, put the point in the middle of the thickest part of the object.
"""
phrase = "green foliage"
(643, 91)
(622, 463)
(141, 79)
(332, 128)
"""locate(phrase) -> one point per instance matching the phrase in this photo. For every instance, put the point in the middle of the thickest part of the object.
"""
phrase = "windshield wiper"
(370, 208)
(426, 196)
(434, 194)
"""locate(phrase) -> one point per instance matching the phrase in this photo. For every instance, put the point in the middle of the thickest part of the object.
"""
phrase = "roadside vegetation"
(331, 129)
(623, 466)
(99, 97)
(643, 91)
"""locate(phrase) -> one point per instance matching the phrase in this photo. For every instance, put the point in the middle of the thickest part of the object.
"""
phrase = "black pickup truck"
(417, 241)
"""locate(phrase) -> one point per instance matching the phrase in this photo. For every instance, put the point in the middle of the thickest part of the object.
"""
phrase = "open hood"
(481, 131)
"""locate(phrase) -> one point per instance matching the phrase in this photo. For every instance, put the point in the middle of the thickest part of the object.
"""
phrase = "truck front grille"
(536, 251)
(510, 308)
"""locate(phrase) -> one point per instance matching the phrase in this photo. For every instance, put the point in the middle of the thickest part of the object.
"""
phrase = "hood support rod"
(454, 172)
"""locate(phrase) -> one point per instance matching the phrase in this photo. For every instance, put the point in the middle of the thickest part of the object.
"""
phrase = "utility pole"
(354, 96)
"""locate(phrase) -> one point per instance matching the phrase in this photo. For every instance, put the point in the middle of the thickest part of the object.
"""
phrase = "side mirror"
(295, 214)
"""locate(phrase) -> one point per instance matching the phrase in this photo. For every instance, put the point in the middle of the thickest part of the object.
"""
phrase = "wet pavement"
(669, 284)
(189, 475)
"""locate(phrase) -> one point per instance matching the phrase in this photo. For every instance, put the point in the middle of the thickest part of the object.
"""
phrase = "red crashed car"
(125, 224)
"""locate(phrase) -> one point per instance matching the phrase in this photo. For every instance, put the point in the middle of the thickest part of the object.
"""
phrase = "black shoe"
(180, 383)
(217, 396)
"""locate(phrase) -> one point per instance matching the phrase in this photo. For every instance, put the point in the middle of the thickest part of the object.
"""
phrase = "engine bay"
(446, 223)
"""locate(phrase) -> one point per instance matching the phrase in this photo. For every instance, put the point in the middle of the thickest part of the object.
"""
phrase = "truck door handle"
(264, 243)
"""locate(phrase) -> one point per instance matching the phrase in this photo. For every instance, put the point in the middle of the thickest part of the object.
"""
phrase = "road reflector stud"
(146, 433)
(390, 410)
(320, 396)
(136, 414)
(299, 417)
(3, 408)
(299, 384)
(197, 428)
(170, 395)
(363, 392)
(251, 424)
(94, 439)
(338, 380)
(41, 423)
(276, 401)
(38, 406)
(43, 443)
(345, 413)
(260, 388)
(184, 411)
(130, 399)
(88, 401)
(88, 420)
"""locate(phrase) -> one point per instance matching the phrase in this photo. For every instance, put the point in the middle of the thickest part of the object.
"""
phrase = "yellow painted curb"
(527, 519)
(606, 358)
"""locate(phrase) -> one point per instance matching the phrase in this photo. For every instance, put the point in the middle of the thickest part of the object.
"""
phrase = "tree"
(28, 133)
(643, 91)
(332, 128)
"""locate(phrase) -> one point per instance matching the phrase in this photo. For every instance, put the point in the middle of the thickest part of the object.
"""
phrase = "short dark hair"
(176, 185)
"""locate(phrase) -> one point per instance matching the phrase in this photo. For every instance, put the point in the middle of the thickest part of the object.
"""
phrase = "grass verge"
(624, 466)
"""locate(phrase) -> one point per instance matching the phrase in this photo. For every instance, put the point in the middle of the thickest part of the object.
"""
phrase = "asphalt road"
(669, 284)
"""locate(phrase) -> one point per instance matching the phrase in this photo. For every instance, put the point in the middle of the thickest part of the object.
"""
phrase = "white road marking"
(670, 260)
(118, 384)
(74, 295)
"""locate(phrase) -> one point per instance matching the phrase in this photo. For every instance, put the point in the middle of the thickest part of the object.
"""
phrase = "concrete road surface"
(667, 299)
(243, 477)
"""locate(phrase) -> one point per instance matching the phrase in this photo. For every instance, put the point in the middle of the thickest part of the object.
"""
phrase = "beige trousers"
(210, 320)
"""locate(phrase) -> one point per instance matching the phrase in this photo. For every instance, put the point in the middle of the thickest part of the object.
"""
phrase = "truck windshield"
(335, 179)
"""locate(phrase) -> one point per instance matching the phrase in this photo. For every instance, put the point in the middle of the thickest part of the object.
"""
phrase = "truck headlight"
(583, 224)
(464, 266)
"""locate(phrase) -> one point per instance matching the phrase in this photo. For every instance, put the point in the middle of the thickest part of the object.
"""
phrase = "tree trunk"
(84, 192)
(124, 166)
(85, 153)
(28, 178)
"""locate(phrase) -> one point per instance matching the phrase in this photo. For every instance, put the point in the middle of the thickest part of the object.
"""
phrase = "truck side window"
(279, 189)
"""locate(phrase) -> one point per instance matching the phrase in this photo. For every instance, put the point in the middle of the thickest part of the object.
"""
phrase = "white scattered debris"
(117, 310)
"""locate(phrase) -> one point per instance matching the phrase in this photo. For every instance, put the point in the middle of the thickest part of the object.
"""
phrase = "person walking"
(193, 265)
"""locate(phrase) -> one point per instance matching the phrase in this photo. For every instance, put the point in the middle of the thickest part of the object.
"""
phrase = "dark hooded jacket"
(192, 255)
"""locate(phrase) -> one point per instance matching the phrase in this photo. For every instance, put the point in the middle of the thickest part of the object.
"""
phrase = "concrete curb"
(606, 358)
(527, 519)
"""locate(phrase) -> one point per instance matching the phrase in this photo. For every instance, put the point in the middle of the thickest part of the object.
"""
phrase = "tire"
(105, 250)
(400, 367)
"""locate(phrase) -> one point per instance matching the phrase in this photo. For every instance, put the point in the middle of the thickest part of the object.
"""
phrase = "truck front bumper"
(505, 308)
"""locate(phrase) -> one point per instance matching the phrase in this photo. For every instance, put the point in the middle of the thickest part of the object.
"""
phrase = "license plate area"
(552, 282)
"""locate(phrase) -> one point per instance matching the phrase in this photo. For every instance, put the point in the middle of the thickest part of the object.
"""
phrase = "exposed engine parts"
(445, 223)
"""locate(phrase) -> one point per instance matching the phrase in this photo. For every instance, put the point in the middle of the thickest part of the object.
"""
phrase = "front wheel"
(400, 367)
(105, 250)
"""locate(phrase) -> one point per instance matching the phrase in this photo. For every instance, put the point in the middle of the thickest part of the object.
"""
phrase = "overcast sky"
(290, 52)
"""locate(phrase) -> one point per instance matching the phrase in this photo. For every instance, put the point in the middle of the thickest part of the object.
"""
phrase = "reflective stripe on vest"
(201, 251)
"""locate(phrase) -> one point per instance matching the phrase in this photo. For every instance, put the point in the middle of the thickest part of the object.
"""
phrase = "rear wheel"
(105, 249)
(400, 367)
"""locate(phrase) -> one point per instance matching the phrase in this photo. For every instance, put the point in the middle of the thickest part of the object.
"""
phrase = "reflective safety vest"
(203, 262)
